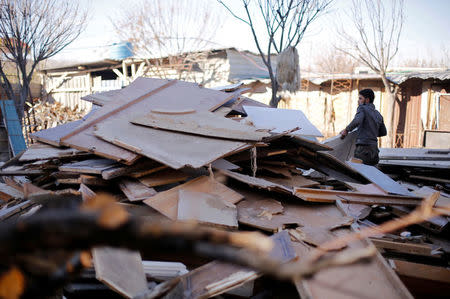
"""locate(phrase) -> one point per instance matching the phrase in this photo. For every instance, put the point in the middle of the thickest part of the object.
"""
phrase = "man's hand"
(343, 133)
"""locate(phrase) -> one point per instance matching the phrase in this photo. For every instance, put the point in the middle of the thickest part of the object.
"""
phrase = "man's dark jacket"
(370, 124)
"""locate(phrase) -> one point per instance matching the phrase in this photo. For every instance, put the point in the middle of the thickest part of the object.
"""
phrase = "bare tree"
(174, 33)
(375, 43)
(285, 21)
(32, 31)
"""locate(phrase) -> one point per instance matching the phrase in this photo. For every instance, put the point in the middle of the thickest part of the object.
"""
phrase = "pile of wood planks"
(171, 152)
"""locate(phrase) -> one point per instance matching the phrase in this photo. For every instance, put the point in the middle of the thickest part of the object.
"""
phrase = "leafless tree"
(32, 31)
(375, 42)
(285, 21)
(175, 34)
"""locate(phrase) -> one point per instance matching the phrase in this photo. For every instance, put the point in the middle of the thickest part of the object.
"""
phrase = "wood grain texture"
(90, 166)
(166, 202)
(53, 136)
(39, 151)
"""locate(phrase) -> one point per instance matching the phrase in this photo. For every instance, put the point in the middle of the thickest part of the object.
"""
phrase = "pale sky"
(426, 30)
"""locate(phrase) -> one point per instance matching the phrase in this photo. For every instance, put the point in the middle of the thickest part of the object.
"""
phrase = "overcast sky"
(426, 30)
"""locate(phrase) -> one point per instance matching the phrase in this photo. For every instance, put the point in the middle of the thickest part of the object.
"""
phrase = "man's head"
(366, 96)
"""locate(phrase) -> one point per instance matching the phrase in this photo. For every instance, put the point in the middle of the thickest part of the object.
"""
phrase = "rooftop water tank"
(119, 51)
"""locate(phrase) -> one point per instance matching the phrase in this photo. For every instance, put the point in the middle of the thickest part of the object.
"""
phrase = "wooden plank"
(380, 179)
(206, 208)
(90, 166)
(135, 190)
(257, 182)
(315, 236)
(39, 151)
(423, 271)
(414, 154)
(53, 136)
(321, 195)
(141, 167)
(408, 248)
(143, 95)
(121, 270)
(163, 177)
(281, 120)
(203, 123)
(166, 202)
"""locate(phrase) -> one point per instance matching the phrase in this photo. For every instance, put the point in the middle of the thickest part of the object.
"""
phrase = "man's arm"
(357, 120)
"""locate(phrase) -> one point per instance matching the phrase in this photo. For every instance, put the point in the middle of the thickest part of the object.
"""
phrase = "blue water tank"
(119, 51)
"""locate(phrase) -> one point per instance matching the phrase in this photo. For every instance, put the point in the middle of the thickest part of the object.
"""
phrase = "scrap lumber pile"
(48, 115)
(177, 191)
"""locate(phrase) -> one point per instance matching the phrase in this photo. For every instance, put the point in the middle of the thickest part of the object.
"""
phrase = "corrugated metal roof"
(400, 78)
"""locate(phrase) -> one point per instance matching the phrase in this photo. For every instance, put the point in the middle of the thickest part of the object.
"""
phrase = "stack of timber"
(173, 190)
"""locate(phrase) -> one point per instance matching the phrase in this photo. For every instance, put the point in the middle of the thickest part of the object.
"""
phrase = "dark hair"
(368, 93)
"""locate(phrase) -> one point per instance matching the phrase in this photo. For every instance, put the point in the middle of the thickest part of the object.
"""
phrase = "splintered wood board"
(166, 202)
(263, 212)
(163, 177)
(39, 151)
(142, 96)
(257, 182)
(90, 166)
(206, 208)
(372, 279)
(203, 123)
(322, 195)
(380, 179)
(135, 190)
(52, 136)
(121, 270)
(216, 277)
(281, 120)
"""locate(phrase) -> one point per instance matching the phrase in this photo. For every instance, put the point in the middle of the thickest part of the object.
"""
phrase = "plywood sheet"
(135, 190)
(163, 177)
(39, 151)
(52, 136)
(206, 208)
(173, 149)
(203, 123)
(281, 120)
(380, 179)
(343, 149)
(90, 166)
(142, 96)
(121, 270)
(166, 202)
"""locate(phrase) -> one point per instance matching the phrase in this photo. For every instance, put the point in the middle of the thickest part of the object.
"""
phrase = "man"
(370, 125)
